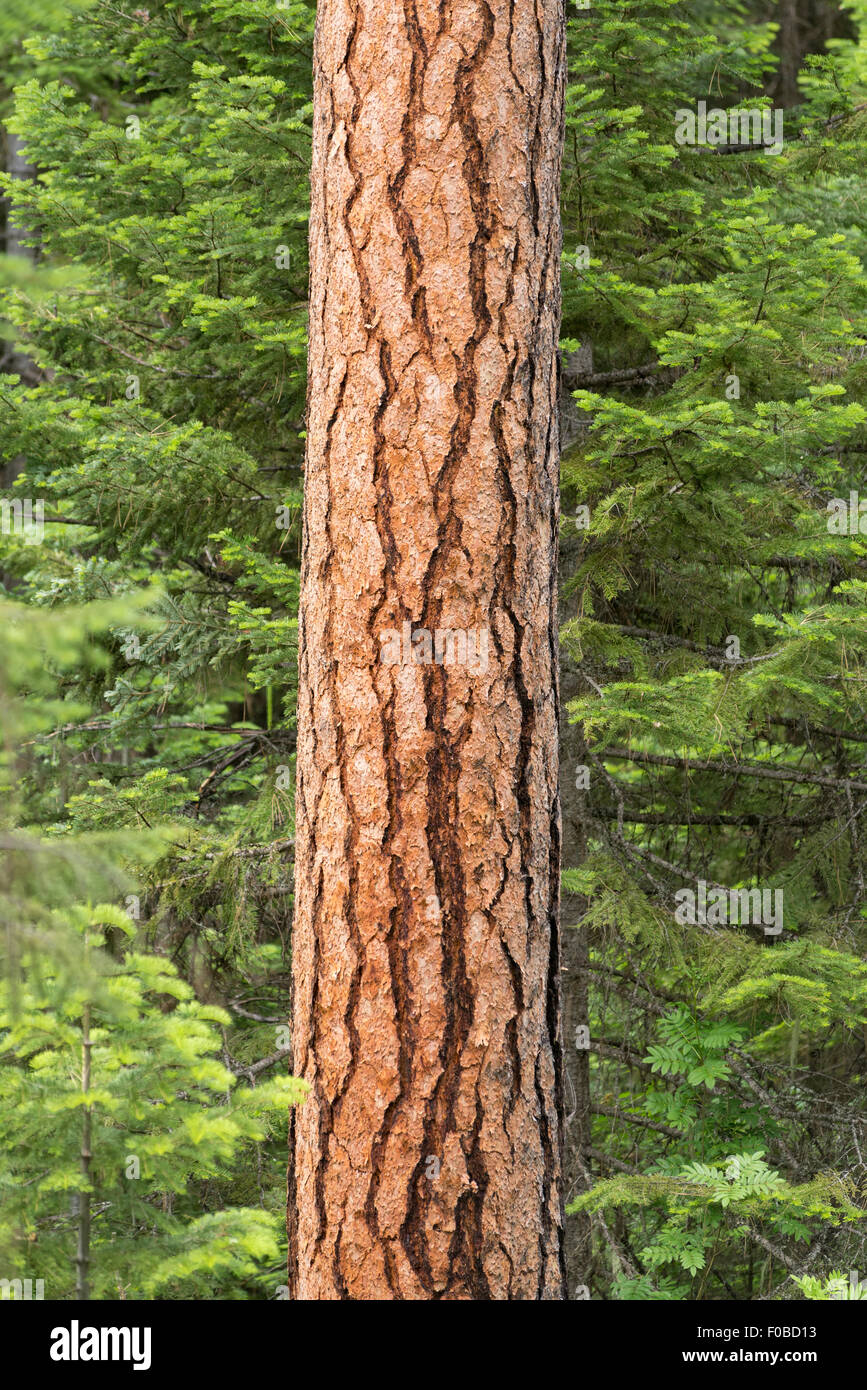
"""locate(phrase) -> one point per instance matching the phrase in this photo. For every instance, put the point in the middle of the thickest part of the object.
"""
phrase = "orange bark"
(427, 1157)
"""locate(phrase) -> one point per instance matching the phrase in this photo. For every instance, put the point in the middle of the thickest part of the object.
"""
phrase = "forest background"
(713, 645)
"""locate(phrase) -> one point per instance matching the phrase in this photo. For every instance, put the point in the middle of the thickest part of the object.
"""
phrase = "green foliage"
(692, 1048)
(715, 641)
(836, 1286)
(149, 706)
(705, 1203)
(167, 1119)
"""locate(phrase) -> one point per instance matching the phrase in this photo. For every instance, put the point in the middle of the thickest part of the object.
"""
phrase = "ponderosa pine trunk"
(426, 1017)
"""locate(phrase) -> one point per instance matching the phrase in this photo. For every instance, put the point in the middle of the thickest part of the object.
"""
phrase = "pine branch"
(637, 1120)
(614, 377)
(733, 769)
(714, 655)
(688, 817)
(254, 1069)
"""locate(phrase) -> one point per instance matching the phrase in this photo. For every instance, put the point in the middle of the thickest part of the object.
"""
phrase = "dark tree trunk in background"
(18, 168)
(14, 363)
(790, 53)
(576, 1011)
(805, 26)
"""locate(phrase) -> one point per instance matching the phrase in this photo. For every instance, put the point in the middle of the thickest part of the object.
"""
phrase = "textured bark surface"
(427, 1157)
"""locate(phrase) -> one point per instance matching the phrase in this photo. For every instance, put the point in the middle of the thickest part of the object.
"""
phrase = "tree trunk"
(17, 167)
(427, 1157)
(791, 54)
(577, 1135)
(14, 363)
(82, 1251)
